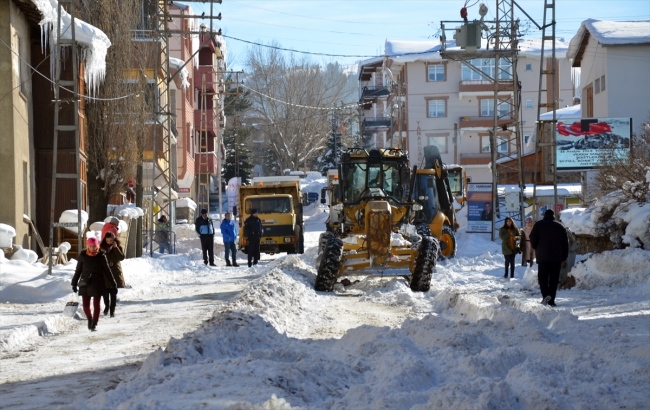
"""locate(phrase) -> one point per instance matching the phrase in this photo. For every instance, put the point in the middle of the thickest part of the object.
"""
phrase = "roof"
(608, 33)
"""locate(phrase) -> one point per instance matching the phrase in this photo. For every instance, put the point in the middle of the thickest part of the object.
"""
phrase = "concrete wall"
(15, 116)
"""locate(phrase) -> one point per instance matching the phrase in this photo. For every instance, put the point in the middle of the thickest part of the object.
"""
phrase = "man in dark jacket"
(253, 230)
(203, 226)
(551, 243)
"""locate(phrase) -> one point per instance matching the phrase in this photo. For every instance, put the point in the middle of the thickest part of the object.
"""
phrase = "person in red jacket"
(111, 226)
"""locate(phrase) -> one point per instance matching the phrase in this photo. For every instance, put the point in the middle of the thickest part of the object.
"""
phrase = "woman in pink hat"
(89, 276)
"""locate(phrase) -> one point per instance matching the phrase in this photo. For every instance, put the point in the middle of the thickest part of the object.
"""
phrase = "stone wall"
(591, 244)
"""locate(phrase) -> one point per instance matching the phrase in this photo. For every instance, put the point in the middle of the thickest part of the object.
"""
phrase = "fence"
(159, 247)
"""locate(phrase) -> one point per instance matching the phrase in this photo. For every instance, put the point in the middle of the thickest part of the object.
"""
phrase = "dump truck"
(279, 206)
(371, 230)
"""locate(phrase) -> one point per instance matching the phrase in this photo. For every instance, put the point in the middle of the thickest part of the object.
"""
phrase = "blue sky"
(360, 27)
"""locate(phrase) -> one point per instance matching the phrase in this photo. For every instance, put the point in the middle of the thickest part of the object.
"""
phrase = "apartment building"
(436, 101)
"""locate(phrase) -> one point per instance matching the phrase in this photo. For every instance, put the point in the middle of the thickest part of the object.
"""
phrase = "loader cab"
(426, 195)
(373, 176)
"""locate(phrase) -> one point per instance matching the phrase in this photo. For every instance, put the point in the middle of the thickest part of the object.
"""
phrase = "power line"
(308, 29)
(344, 107)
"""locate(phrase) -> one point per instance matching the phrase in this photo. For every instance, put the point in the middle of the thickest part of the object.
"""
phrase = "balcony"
(470, 88)
(369, 94)
(205, 163)
(210, 124)
(210, 78)
(482, 122)
(475, 158)
(375, 122)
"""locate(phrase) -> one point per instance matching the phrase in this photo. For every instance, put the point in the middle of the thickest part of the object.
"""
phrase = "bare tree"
(285, 88)
(116, 123)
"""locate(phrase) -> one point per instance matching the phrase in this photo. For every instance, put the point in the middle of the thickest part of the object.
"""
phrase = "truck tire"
(323, 239)
(424, 265)
(328, 270)
(449, 239)
(301, 243)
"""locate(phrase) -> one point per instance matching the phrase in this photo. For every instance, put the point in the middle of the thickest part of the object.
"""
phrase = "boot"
(112, 312)
(90, 324)
(228, 263)
(94, 327)
(235, 264)
(106, 311)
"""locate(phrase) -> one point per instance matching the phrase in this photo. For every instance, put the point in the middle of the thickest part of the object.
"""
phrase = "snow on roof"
(94, 42)
(176, 64)
(611, 33)
(566, 112)
(532, 47)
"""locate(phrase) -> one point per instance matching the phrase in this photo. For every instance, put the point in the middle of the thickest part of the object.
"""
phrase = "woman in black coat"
(92, 270)
(115, 255)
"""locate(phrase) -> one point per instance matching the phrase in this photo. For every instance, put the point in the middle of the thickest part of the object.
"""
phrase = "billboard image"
(582, 143)
(479, 208)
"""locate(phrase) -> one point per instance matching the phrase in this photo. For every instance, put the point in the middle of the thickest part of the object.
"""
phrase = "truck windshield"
(364, 180)
(269, 205)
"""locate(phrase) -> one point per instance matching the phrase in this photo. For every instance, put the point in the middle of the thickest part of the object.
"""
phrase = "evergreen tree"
(332, 154)
(236, 136)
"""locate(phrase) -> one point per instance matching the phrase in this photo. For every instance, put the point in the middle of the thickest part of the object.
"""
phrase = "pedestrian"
(90, 278)
(551, 243)
(510, 237)
(253, 230)
(229, 233)
(161, 237)
(205, 229)
(113, 225)
(114, 252)
(527, 251)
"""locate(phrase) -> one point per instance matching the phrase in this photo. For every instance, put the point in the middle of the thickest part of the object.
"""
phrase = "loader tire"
(448, 250)
(301, 243)
(423, 230)
(323, 239)
(328, 270)
(424, 264)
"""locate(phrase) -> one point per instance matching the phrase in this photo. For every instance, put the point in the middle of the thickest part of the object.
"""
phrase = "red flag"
(341, 127)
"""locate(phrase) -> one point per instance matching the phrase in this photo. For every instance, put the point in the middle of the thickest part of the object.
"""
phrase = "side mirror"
(322, 195)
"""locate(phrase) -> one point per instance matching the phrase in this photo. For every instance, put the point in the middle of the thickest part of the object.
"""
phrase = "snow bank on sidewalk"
(617, 268)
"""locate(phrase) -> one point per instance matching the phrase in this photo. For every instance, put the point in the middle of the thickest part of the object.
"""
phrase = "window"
(602, 83)
(487, 108)
(502, 144)
(436, 72)
(529, 103)
(486, 65)
(526, 139)
(25, 189)
(437, 108)
(22, 78)
(597, 86)
(529, 67)
(438, 141)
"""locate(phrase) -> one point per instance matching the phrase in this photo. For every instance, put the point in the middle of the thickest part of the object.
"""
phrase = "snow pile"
(127, 211)
(633, 216)
(71, 216)
(7, 235)
(176, 64)
(94, 42)
(610, 33)
(617, 268)
(26, 255)
(186, 203)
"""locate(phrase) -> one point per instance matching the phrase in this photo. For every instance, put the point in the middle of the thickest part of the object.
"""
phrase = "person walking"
(114, 252)
(253, 230)
(229, 233)
(551, 243)
(510, 236)
(161, 237)
(90, 280)
(205, 229)
(113, 225)
(527, 251)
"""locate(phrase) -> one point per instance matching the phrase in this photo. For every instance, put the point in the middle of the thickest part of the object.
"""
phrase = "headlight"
(417, 207)
(288, 240)
(338, 207)
(423, 198)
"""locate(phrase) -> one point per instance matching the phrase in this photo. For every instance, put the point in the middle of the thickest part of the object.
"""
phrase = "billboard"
(581, 144)
(479, 208)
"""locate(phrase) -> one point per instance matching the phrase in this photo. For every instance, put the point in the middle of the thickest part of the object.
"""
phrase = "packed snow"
(610, 33)
(190, 336)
